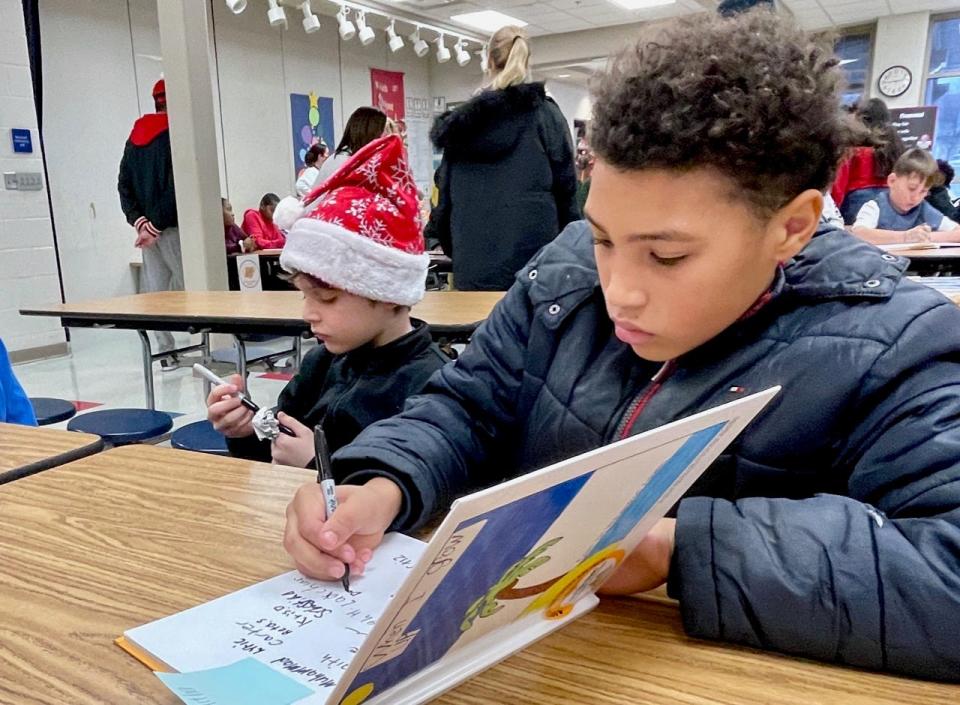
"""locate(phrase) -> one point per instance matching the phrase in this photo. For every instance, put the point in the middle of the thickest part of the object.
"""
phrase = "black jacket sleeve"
(129, 203)
(555, 136)
(872, 578)
(438, 227)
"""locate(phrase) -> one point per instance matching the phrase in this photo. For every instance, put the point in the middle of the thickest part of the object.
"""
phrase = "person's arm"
(15, 406)
(440, 446)
(865, 227)
(555, 135)
(438, 227)
(840, 184)
(129, 203)
(870, 579)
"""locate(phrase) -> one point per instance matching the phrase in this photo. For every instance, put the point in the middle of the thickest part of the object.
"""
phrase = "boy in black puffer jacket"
(831, 528)
(358, 258)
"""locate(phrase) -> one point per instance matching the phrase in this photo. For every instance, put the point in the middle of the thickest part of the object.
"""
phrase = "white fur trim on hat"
(355, 263)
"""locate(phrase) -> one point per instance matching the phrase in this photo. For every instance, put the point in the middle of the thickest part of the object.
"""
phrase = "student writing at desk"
(358, 258)
(831, 528)
(901, 214)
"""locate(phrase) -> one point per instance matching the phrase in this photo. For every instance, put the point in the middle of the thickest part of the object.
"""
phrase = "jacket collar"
(393, 354)
(487, 108)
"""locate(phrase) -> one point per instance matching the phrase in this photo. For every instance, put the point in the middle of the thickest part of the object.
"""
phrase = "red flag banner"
(387, 92)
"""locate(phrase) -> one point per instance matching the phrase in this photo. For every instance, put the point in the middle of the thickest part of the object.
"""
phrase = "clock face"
(895, 81)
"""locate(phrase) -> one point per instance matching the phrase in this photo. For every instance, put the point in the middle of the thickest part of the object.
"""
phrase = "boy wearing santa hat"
(355, 250)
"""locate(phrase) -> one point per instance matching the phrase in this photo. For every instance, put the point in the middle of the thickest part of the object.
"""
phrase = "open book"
(508, 565)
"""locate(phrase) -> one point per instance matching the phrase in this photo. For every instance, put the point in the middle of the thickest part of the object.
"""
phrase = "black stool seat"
(200, 437)
(123, 426)
(49, 410)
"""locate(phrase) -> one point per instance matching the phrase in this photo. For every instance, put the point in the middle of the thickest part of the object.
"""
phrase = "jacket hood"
(147, 128)
(488, 125)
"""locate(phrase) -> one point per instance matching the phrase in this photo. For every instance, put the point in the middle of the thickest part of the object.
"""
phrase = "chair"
(200, 437)
(119, 427)
(49, 410)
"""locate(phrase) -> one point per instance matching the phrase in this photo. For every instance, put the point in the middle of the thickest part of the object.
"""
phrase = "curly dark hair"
(751, 96)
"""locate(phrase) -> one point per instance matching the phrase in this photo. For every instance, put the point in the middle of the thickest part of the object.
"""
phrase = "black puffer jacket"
(507, 183)
(830, 528)
(349, 392)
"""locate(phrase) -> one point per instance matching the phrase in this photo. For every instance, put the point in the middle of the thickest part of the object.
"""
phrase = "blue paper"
(246, 682)
(22, 141)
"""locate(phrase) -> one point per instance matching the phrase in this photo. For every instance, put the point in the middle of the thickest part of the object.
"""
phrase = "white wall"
(97, 80)
(573, 100)
(901, 40)
(28, 273)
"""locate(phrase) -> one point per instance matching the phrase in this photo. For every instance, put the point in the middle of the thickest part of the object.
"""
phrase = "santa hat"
(159, 88)
(360, 230)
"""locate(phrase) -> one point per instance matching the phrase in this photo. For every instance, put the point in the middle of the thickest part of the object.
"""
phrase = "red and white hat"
(360, 230)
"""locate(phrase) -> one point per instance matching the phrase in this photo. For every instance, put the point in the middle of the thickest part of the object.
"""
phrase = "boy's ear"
(891, 178)
(795, 223)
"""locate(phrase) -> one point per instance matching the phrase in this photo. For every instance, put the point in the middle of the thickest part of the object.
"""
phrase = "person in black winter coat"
(831, 528)
(507, 183)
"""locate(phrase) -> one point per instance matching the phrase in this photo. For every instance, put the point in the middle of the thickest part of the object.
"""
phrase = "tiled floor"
(104, 371)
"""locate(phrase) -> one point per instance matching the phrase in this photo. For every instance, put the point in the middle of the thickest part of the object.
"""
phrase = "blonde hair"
(508, 57)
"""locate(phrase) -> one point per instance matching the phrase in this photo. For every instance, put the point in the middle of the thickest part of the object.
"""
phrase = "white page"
(307, 629)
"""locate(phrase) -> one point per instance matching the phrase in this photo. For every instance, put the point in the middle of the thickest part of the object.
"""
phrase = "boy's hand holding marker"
(320, 548)
(226, 411)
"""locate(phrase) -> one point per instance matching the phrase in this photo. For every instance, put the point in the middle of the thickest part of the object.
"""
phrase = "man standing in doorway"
(149, 202)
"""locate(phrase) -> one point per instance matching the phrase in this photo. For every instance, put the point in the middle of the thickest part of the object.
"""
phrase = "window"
(854, 51)
(943, 90)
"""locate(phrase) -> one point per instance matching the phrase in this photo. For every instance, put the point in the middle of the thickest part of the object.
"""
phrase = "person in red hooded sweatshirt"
(149, 202)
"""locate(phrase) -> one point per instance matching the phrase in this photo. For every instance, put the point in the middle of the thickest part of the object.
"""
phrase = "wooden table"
(925, 262)
(451, 314)
(25, 450)
(140, 532)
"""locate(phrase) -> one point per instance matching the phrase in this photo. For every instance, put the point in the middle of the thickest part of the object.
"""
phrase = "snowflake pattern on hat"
(363, 231)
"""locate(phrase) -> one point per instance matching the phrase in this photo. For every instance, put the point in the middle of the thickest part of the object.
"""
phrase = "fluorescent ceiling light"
(563, 75)
(489, 20)
(642, 4)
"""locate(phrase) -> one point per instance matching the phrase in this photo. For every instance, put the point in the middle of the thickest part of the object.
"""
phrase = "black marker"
(201, 371)
(325, 480)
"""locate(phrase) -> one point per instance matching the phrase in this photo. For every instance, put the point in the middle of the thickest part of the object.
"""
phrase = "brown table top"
(282, 308)
(947, 253)
(136, 533)
(26, 449)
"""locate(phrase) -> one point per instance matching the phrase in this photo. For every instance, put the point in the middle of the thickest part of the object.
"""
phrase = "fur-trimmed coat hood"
(490, 123)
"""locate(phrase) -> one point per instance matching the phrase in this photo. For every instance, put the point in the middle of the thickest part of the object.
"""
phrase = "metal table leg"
(241, 358)
(297, 351)
(147, 369)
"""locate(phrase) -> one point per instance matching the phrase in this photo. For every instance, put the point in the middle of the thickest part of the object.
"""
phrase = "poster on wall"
(419, 118)
(311, 118)
(915, 125)
(386, 89)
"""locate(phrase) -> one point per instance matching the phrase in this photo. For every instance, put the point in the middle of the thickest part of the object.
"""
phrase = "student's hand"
(320, 548)
(144, 240)
(225, 411)
(293, 450)
(249, 245)
(649, 564)
(921, 233)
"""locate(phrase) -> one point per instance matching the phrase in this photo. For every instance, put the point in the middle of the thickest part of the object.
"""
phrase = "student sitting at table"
(15, 407)
(234, 238)
(901, 214)
(259, 224)
(358, 258)
(831, 528)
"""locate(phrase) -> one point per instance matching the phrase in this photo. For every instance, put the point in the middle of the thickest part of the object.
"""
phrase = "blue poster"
(311, 119)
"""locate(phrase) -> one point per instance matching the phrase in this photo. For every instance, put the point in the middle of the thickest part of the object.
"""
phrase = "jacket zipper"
(640, 402)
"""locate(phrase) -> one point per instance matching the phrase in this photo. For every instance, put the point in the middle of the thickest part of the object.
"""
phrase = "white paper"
(306, 629)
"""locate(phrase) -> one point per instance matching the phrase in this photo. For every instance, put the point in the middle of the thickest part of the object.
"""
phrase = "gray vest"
(892, 219)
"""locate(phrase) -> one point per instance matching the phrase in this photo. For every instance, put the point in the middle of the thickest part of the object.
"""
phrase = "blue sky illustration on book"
(511, 532)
